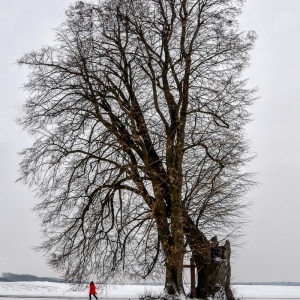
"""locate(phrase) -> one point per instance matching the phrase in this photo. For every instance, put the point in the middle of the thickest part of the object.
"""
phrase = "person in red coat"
(93, 290)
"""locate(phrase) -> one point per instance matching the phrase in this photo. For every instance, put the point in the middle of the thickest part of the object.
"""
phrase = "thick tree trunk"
(215, 274)
(171, 238)
(173, 283)
(174, 257)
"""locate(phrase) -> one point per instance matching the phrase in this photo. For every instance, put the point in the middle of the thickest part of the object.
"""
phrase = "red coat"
(92, 289)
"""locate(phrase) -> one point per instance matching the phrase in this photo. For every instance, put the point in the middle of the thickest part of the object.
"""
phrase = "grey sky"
(273, 245)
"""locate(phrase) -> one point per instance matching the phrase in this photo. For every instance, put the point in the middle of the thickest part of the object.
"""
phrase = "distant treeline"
(282, 283)
(3, 279)
(10, 277)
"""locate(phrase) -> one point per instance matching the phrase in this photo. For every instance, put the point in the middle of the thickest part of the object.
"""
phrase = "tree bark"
(173, 283)
(215, 275)
(215, 261)
(171, 237)
(174, 260)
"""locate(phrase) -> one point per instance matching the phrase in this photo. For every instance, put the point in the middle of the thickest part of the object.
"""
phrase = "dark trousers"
(93, 295)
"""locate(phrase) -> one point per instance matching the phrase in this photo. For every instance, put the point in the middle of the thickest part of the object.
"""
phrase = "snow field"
(62, 290)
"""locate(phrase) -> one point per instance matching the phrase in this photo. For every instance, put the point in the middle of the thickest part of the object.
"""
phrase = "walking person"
(93, 290)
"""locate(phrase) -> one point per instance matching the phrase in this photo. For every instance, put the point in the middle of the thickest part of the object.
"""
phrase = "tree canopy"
(138, 113)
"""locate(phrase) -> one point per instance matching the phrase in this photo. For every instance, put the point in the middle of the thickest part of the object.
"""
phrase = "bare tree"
(138, 113)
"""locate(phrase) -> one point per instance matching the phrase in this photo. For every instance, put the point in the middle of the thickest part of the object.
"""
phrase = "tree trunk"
(171, 238)
(174, 257)
(215, 276)
(173, 283)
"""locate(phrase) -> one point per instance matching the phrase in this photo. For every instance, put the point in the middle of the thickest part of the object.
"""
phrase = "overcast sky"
(272, 248)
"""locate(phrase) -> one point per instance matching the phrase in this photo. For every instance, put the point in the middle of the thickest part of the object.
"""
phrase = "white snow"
(36, 289)
(50, 289)
(267, 291)
(62, 290)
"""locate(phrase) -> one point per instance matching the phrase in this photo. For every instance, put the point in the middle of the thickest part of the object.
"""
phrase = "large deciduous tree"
(138, 114)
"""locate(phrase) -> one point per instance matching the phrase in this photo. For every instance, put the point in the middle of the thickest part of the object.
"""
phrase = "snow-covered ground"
(266, 292)
(50, 289)
(61, 290)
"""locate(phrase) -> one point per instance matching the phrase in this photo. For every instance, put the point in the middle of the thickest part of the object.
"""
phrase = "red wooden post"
(193, 278)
